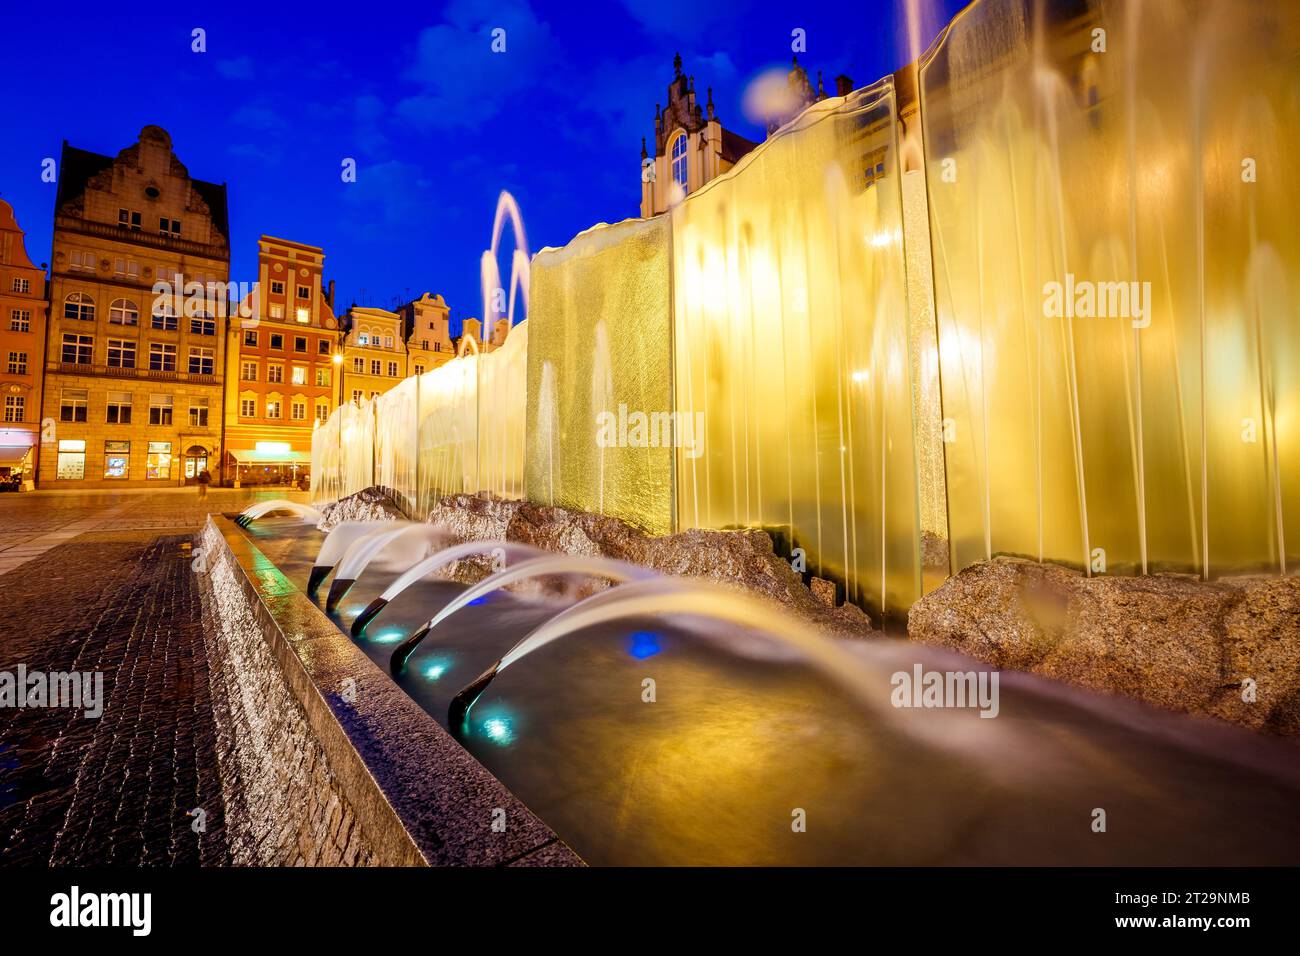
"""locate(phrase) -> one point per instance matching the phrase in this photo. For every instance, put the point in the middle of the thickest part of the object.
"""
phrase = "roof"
(735, 146)
(78, 166)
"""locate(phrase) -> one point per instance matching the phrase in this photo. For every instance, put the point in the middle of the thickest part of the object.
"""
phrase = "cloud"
(461, 81)
(258, 117)
(239, 68)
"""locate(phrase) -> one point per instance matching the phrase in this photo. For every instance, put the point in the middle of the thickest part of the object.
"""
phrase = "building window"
(363, 338)
(123, 312)
(277, 340)
(304, 315)
(304, 293)
(159, 463)
(300, 343)
(298, 376)
(277, 287)
(388, 341)
(322, 346)
(322, 412)
(15, 406)
(72, 459)
(20, 320)
(679, 161)
(322, 378)
(77, 349)
(203, 325)
(82, 262)
(248, 371)
(275, 373)
(72, 404)
(375, 366)
(126, 268)
(22, 285)
(169, 227)
(359, 366)
(128, 219)
(358, 396)
(419, 369)
(272, 408)
(392, 369)
(121, 353)
(202, 361)
(164, 317)
(162, 357)
(118, 409)
(160, 409)
(117, 459)
(250, 337)
(277, 312)
(198, 413)
(248, 408)
(298, 410)
(17, 363)
(79, 305)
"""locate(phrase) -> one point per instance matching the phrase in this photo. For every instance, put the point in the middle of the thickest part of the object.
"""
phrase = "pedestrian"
(204, 478)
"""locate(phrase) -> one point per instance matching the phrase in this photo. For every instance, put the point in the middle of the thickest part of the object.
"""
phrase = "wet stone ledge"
(336, 765)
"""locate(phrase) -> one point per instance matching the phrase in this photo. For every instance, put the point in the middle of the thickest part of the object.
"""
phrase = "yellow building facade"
(374, 353)
(135, 345)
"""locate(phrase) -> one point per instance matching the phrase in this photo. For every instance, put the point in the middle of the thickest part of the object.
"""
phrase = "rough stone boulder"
(1171, 640)
(368, 504)
(743, 558)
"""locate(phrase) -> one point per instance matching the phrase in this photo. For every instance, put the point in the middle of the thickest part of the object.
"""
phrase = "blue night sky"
(437, 123)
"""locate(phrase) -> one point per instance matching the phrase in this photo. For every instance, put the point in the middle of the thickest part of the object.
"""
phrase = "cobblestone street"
(101, 582)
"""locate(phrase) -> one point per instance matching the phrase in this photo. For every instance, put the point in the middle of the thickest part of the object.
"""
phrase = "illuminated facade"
(426, 323)
(133, 379)
(22, 347)
(374, 353)
(283, 375)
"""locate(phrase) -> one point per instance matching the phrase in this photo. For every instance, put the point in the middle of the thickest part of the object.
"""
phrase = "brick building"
(133, 373)
(284, 366)
(22, 353)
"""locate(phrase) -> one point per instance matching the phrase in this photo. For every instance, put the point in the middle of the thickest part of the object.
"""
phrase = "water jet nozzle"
(338, 591)
(319, 572)
(365, 617)
(462, 702)
(405, 649)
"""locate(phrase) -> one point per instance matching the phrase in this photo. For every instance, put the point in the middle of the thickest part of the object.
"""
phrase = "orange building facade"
(283, 375)
(22, 355)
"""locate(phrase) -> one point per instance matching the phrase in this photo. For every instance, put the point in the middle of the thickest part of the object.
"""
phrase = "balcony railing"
(140, 237)
(147, 374)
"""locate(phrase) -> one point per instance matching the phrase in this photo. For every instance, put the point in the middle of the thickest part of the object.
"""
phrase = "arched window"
(123, 312)
(679, 160)
(79, 305)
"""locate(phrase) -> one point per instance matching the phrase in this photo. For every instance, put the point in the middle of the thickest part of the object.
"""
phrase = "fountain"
(553, 564)
(263, 508)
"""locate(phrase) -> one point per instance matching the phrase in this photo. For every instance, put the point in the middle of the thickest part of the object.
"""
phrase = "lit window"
(248, 371)
(322, 411)
(679, 161)
(275, 373)
(15, 406)
(248, 408)
(298, 410)
(117, 459)
(298, 375)
(322, 377)
(159, 463)
(272, 408)
(22, 285)
(72, 459)
(304, 315)
(17, 363)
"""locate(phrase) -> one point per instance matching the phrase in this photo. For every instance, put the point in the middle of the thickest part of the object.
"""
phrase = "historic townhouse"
(427, 325)
(133, 376)
(284, 366)
(374, 353)
(22, 349)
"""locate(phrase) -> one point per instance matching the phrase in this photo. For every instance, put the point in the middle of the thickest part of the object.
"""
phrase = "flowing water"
(745, 736)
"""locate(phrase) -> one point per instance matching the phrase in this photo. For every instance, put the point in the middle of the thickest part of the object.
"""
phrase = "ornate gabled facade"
(284, 366)
(135, 345)
(374, 353)
(691, 146)
(427, 326)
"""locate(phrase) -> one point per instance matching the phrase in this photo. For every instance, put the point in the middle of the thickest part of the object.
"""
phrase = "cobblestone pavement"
(100, 589)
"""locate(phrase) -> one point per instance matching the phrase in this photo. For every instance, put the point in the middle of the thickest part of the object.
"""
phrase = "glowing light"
(272, 447)
(643, 644)
(861, 376)
(498, 730)
(436, 669)
(390, 636)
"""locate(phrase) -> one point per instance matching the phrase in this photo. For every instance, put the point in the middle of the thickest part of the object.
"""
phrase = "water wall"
(791, 350)
(601, 356)
(1059, 321)
(1139, 159)
(457, 428)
